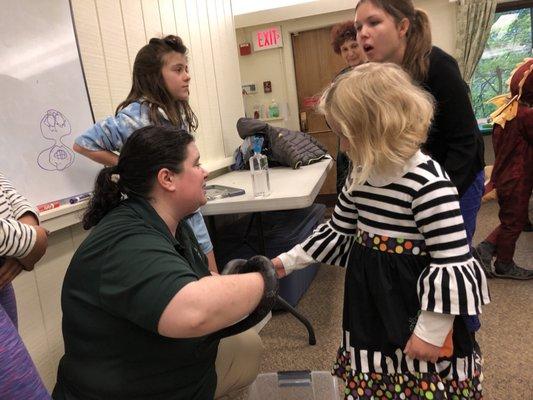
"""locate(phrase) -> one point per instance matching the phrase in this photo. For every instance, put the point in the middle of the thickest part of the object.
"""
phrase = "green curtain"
(474, 20)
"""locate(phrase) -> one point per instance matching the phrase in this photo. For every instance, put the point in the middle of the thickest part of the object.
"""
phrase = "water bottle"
(273, 109)
(259, 170)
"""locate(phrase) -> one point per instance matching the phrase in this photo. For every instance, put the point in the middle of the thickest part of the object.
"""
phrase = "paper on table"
(213, 192)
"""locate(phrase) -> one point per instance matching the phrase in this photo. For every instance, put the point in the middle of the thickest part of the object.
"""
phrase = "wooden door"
(315, 66)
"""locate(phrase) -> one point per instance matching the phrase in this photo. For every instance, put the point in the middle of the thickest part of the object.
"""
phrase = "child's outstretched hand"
(280, 269)
(421, 350)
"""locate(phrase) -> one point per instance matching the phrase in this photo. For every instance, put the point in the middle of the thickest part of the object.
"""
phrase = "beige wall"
(110, 32)
(277, 65)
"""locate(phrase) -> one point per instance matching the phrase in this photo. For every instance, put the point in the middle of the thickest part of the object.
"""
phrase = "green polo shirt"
(116, 287)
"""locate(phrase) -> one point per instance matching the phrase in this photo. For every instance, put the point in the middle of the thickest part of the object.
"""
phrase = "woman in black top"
(394, 31)
(139, 302)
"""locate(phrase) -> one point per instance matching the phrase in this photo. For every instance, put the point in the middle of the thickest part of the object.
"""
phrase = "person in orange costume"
(512, 175)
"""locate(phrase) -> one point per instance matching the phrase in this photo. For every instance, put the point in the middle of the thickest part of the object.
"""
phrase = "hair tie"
(115, 178)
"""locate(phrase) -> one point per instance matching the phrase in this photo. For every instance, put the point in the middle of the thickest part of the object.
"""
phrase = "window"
(510, 41)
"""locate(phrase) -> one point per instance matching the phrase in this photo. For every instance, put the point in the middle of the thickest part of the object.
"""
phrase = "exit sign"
(268, 38)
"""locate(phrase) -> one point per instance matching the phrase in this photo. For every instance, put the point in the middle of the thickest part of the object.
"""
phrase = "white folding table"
(290, 189)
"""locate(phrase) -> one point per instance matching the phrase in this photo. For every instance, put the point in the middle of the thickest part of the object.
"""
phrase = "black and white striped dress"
(16, 239)
(403, 242)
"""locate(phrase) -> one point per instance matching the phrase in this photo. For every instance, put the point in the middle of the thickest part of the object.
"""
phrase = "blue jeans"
(470, 203)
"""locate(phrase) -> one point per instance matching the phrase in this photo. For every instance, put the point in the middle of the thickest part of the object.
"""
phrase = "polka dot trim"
(410, 386)
(391, 245)
(402, 386)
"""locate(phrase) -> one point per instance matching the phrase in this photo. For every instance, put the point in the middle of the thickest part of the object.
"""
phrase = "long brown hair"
(148, 85)
(416, 57)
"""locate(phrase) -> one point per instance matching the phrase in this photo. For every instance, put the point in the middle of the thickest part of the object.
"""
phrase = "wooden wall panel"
(182, 23)
(132, 18)
(166, 13)
(212, 136)
(92, 54)
(198, 73)
(227, 73)
(115, 50)
(182, 26)
(152, 19)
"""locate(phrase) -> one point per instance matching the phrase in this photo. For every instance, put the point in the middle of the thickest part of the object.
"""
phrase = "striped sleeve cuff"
(16, 239)
(26, 208)
(18, 203)
(457, 289)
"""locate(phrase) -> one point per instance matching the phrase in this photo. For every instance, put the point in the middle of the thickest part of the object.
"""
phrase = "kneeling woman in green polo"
(138, 299)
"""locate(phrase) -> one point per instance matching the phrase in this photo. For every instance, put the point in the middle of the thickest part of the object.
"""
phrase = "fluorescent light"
(249, 6)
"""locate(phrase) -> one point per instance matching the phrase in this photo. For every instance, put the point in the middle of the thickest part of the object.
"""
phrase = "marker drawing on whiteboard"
(54, 127)
(81, 197)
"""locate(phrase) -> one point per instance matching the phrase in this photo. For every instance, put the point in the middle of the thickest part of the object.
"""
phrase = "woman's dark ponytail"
(106, 196)
(146, 151)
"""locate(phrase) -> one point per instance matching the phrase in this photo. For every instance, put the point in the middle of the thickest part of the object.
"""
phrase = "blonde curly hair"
(382, 113)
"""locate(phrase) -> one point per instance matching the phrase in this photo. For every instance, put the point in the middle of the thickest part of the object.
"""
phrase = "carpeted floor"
(506, 337)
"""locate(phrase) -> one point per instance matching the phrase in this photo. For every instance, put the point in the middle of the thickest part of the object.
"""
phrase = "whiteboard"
(43, 102)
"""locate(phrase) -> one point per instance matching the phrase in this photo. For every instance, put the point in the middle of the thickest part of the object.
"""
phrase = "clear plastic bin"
(295, 385)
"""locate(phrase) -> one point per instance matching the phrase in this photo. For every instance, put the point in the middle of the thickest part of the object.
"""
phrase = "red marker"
(48, 206)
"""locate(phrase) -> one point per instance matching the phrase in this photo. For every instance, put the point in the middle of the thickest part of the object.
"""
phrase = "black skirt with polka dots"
(381, 308)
